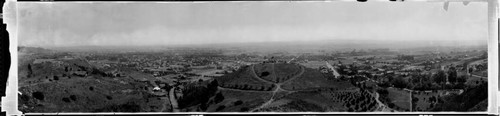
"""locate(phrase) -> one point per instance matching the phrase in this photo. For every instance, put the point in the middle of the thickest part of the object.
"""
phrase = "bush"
(218, 98)
(220, 108)
(239, 102)
(263, 74)
(38, 95)
(73, 97)
(382, 91)
(109, 97)
(66, 100)
(24, 97)
(391, 105)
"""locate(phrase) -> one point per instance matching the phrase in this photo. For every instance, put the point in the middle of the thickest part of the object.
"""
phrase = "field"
(52, 86)
(327, 100)
(426, 100)
(286, 71)
(314, 64)
(302, 101)
(238, 101)
(312, 79)
(266, 71)
(206, 72)
(400, 99)
(84, 95)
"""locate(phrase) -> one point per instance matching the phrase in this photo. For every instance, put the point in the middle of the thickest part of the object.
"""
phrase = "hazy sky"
(72, 24)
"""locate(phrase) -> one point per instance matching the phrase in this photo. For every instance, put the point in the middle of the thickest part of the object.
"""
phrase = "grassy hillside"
(83, 95)
(266, 71)
(465, 101)
(312, 79)
(285, 71)
(237, 101)
(243, 79)
(324, 100)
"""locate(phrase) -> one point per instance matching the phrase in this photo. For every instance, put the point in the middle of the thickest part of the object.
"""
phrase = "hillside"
(74, 85)
(295, 88)
(244, 78)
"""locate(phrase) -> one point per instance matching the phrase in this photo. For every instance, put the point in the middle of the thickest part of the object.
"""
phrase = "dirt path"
(255, 76)
(479, 76)
(173, 100)
(302, 70)
(269, 101)
(278, 87)
(381, 106)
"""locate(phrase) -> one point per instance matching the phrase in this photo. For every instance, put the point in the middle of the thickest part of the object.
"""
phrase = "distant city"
(253, 78)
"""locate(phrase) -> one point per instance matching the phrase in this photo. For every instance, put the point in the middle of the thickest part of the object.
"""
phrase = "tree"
(220, 108)
(452, 75)
(30, 71)
(399, 82)
(245, 87)
(218, 97)
(239, 102)
(439, 77)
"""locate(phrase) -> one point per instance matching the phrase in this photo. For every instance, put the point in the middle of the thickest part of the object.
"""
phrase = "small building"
(80, 73)
(156, 88)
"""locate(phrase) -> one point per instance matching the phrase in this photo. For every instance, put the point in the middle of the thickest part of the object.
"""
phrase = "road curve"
(173, 100)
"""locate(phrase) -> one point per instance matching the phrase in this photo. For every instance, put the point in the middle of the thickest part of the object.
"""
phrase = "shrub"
(25, 97)
(239, 102)
(38, 95)
(218, 98)
(220, 108)
(66, 100)
(109, 97)
(73, 97)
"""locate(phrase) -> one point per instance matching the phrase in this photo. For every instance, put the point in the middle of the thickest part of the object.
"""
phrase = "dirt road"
(173, 100)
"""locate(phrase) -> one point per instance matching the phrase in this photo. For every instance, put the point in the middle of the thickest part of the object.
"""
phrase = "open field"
(286, 71)
(247, 101)
(85, 95)
(244, 78)
(266, 71)
(312, 79)
(400, 98)
(474, 81)
(323, 101)
(426, 100)
(313, 64)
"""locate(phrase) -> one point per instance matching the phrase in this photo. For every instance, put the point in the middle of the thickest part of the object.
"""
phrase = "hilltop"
(294, 88)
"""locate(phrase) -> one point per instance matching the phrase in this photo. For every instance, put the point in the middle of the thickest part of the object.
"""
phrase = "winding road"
(381, 106)
(173, 100)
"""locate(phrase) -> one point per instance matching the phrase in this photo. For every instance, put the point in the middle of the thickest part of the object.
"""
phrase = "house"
(156, 88)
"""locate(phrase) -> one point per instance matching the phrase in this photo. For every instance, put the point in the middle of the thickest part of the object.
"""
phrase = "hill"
(244, 78)
(314, 79)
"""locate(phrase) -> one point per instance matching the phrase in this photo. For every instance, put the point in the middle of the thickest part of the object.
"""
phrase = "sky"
(131, 24)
